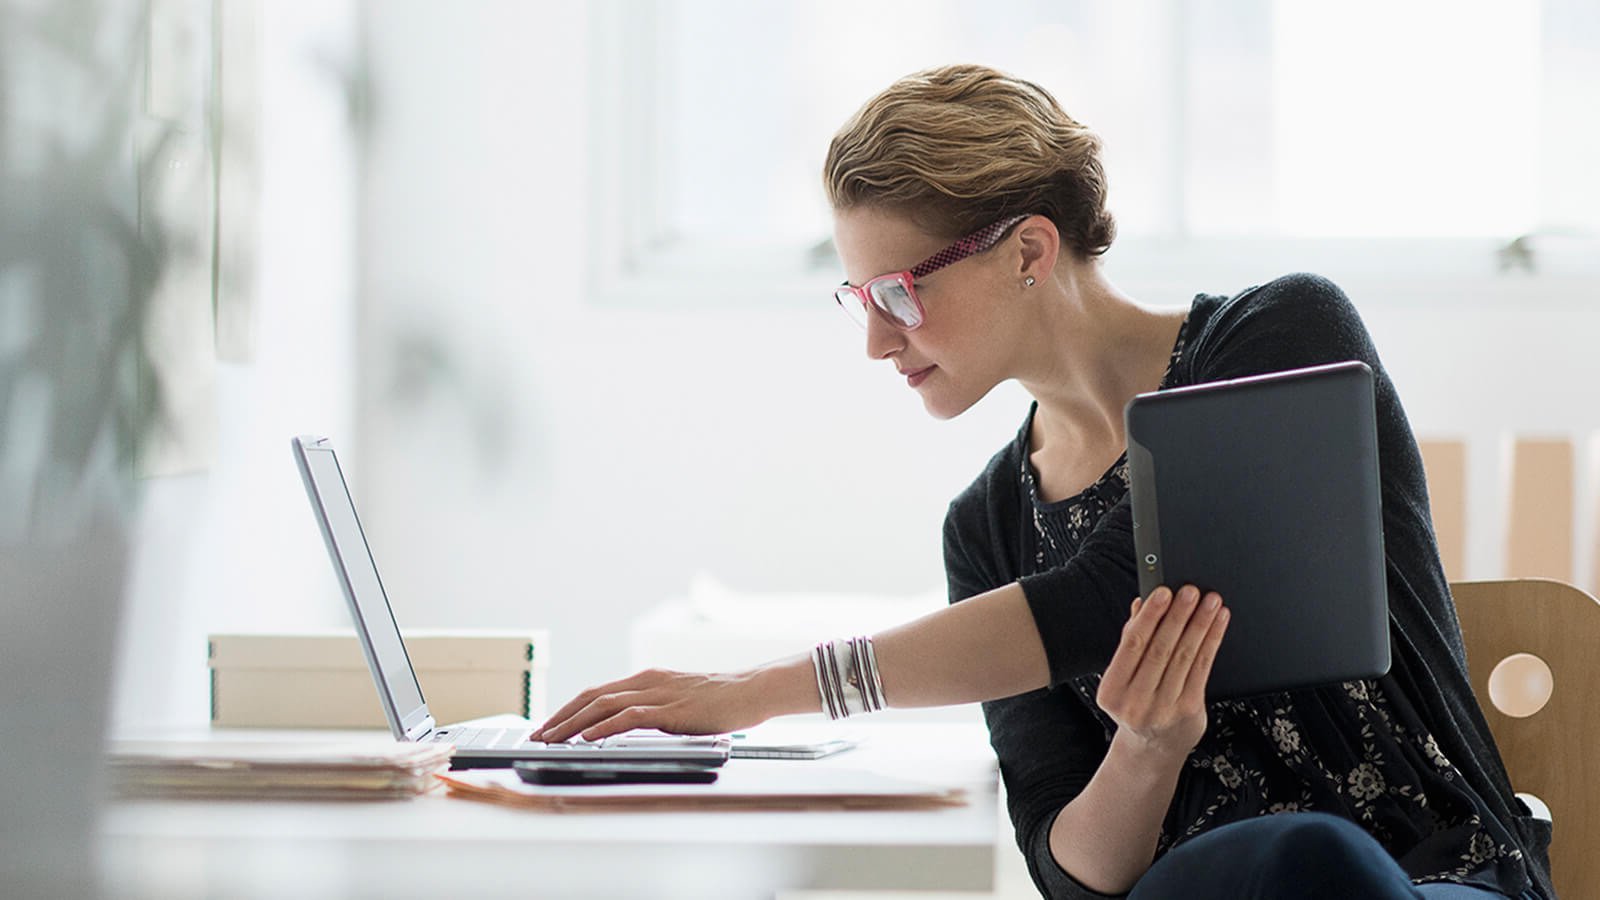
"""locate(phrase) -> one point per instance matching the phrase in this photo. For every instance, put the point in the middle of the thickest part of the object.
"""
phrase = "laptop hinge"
(421, 730)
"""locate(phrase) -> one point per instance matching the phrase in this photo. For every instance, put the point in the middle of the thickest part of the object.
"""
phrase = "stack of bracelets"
(847, 677)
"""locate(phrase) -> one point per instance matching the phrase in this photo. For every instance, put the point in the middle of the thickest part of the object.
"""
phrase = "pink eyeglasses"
(894, 296)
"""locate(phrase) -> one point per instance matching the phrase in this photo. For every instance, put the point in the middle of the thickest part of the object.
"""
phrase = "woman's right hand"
(675, 702)
(1154, 687)
(687, 702)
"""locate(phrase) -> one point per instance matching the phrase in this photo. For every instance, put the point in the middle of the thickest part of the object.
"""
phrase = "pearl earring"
(1028, 281)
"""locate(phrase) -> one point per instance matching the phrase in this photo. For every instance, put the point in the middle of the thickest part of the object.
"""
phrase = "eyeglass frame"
(977, 242)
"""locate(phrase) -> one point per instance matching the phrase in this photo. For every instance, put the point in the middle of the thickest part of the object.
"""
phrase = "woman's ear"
(1040, 245)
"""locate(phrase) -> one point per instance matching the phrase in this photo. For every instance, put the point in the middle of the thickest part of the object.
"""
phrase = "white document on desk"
(782, 740)
(756, 786)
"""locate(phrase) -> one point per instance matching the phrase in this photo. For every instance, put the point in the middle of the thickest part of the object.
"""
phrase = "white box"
(321, 679)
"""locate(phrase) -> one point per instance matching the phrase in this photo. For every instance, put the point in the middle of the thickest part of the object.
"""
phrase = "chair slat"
(1539, 534)
(1445, 462)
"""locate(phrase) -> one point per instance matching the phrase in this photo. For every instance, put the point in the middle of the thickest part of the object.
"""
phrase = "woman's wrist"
(1106, 837)
(1135, 754)
(785, 687)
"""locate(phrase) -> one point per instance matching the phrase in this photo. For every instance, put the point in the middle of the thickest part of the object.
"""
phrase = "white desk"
(435, 846)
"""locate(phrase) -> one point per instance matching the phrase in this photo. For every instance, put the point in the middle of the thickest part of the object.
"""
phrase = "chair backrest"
(1537, 504)
(1554, 752)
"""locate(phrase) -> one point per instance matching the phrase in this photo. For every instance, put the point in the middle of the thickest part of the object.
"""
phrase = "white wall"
(587, 460)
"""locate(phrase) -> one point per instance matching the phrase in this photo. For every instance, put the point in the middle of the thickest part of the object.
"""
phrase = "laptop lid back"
(352, 560)
(1266, 490)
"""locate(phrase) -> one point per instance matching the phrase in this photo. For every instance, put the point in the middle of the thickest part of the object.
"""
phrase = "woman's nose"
(882, 338)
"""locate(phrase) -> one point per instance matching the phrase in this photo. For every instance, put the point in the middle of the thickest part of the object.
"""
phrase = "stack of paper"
(275, 770)
(748, 786)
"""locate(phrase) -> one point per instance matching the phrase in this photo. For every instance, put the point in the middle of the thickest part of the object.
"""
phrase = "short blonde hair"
(959, 147)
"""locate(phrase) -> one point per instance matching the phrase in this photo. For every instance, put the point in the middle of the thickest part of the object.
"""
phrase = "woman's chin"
(943, 406)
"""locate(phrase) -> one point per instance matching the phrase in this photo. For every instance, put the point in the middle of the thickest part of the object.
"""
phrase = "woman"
(1120, 777)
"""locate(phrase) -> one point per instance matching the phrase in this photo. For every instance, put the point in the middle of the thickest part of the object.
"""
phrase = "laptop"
(403, 703)
(1266, 490)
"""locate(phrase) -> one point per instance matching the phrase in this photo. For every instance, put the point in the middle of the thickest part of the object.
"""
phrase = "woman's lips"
(919, 376)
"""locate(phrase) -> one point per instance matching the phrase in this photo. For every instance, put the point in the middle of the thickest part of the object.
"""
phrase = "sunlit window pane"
(1228, 150)
(755, 91)
(1406, 119)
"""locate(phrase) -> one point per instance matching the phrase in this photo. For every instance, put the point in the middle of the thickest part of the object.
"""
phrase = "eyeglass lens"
(852, 305)
(894, 298)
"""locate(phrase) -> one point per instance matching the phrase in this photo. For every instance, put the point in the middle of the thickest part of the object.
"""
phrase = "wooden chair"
(1554, 752)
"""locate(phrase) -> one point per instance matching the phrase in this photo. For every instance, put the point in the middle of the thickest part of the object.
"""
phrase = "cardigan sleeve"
(1289, 323)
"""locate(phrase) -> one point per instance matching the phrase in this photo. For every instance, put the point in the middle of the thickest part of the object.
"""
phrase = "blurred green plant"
(78, 269)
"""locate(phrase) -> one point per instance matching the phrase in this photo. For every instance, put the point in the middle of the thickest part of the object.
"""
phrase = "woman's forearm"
(1106, 837)
(982, 648)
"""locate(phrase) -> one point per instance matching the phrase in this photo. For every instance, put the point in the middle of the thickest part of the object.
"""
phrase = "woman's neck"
(1091, 350)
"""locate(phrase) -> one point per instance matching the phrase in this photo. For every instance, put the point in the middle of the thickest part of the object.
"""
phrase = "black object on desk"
(591, 773)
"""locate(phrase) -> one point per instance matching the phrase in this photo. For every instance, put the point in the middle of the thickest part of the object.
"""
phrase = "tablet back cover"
(1266, 490)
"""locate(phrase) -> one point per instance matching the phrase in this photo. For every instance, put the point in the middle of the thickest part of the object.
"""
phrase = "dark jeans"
(1304, 856)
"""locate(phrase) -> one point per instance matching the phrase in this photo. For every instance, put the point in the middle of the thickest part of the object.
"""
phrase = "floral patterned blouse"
(1355, 750)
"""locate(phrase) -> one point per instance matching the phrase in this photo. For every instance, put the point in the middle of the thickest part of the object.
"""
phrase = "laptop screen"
(353, 558)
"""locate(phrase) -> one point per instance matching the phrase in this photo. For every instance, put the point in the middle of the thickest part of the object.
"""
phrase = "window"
(1424, 141)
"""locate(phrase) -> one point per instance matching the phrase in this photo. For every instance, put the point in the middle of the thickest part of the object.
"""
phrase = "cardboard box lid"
(429, 649)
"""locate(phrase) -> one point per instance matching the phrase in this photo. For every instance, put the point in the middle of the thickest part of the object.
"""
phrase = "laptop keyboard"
(505, 739)
(481, 739)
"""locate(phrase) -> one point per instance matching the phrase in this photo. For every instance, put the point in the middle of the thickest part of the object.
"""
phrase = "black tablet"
(1266, 490)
